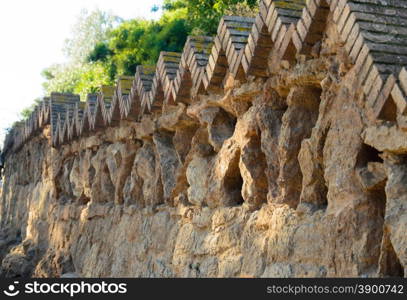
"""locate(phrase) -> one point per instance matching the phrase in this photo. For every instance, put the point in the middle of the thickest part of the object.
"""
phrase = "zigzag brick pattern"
(373, 32)
(375, 37)
(194, 60)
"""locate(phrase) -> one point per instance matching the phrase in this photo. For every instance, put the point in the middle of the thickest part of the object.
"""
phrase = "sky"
(32, 35)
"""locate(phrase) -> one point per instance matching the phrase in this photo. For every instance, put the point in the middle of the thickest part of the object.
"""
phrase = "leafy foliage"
(26, 112)
(90, 28)
(204, 15)
(77, 75)
(104, 46)
(139, 42)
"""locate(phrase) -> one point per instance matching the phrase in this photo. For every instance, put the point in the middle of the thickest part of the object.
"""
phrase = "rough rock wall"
(286, 175)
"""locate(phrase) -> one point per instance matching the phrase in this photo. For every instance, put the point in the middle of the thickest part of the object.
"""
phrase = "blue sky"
(32, 35)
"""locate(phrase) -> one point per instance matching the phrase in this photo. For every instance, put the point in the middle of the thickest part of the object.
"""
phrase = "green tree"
(139, 42)
(104, 46)
(91, 78)
(77, 75)
(61, 77)
(204, 15)
(90, 29)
